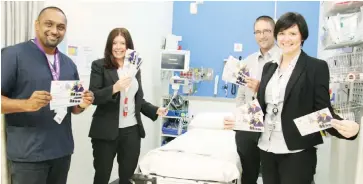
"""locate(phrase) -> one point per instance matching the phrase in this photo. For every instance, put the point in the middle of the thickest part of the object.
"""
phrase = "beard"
(52, 43)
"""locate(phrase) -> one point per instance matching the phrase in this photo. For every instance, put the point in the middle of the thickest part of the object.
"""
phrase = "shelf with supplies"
(175, 123)
(344, 45)
(168, 135)
(346, 84)
(346, 67)
(343, 39)
(333, 8)
(349, 110)
(342, 25)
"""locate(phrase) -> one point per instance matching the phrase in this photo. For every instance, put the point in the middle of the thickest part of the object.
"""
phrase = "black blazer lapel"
(299, 68)
(264, 81)
(113, 74)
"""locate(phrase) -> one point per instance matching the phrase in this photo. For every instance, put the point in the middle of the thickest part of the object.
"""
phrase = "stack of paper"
(65, 94)
(235, 71)
(314, 122)
(132, 62)
(249, 117)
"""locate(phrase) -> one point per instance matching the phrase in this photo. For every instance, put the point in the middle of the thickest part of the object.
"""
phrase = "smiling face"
(50, 28)
(264, 34)
(119, 47)
(118, 41)
(289, 40)
(291, 31)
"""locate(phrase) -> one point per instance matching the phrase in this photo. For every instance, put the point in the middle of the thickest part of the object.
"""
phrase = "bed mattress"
(199, 154)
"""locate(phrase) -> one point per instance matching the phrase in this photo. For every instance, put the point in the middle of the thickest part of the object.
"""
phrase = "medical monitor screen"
(172, 61)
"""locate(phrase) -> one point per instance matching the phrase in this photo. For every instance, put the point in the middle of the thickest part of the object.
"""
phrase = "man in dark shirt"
(38, 146)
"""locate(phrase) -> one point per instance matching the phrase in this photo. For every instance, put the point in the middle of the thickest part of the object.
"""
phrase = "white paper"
(249, 117)
(61, 113)
(314, 122)
(235, 71)
(66, 94)
(82, 56)
(61, 109)
(132, 62)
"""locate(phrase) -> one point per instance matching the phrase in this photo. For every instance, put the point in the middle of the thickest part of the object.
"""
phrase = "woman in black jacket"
(116, 127)
(293, 86)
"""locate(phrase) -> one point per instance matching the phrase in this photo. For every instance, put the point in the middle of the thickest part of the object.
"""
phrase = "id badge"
(126, 110)
(61, 113)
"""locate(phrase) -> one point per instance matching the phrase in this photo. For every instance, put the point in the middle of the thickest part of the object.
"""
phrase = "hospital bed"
(204, 154)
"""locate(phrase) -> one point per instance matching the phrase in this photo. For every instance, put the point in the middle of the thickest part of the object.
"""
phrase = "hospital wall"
(210, 34)
(89, 24)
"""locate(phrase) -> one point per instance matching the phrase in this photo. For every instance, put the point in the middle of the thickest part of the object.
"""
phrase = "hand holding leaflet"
(249, 117)
(132, 63)
(235, 71)
(66, 94)
(314, 122)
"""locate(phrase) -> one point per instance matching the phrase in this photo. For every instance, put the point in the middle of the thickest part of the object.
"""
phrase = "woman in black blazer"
(293, 86)
(116, 127)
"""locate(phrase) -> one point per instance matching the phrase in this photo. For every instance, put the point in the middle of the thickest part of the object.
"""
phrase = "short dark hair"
(265, 18)
(51, 8)
(290, 19)
(109, 59)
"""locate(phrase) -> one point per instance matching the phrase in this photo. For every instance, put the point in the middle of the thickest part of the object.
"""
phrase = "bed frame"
(155, 179)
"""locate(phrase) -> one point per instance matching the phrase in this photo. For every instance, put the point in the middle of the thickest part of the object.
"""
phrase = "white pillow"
(209, 120)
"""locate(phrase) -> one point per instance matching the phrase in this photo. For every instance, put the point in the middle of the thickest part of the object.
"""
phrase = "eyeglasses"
(262, 32)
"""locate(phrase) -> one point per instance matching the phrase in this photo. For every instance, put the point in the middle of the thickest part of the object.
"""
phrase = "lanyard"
(279, 79)
(56, 72)
(125, 106)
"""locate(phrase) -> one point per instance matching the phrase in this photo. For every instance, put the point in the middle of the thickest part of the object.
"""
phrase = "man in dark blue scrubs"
(38, 147)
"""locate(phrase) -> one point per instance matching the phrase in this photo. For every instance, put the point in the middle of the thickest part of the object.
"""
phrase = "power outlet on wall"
(238, 47)
(193, 8)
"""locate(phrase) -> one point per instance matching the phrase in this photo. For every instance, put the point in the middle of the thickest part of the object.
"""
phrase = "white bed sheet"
(199, 154)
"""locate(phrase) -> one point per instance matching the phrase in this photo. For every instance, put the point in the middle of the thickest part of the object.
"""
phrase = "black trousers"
(292, 168)
(127, 148)
(46, 172)
(249, 155)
